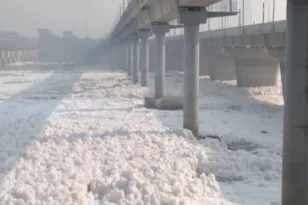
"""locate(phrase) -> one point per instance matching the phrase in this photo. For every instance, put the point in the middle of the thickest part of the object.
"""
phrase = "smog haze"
(84, 17)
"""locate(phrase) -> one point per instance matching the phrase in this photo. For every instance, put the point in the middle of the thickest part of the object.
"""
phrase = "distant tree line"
(65, 48)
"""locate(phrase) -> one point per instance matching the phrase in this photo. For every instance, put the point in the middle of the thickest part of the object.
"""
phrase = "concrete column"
(123, 55)
(279, 54)
(204, 63)
(152, 55)
(144, 56)
(295, 145)
(129, 58)
(116, 57)
(5, 58)
(135, 59)
(26, 56)
(282, 64)
(34, 55)
(37, 55)
(120, 56)
(30, 55)
(12, 56)
(18, 55)
(1, 63)
(191, 18)
(22, 55)
(2, 56)
(160, 29)
(8, 56)
(174, 54)
(221, 65)
(255, 67)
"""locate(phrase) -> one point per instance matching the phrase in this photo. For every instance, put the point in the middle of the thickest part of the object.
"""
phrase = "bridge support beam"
(279, 54)
(119, 56)
(204, 60)
(294, 174)
(152, 55)
(128, 58)
(144, 56)
(2, 59)
(122, 55)
(174, 55)
(255, 67)
(191, 18)
(160, 29)
(221, 65)
(135, 58)
(113, 57)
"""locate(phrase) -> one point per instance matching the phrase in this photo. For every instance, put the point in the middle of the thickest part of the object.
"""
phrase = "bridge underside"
(144, 18)
(142, 14)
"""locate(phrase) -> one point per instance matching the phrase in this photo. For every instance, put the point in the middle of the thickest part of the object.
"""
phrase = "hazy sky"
(87, 17)
(57, 15)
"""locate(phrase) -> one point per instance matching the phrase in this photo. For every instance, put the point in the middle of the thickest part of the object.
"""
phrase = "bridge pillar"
(2, 59)
(18, 55)
(204, 61)
(123, 55)
(135, 59)
(112, 61)
(255, 67)
(279, 54)
(191, 18)
(117, 56)
(33, 55)
(221, 64)
(294, 173)
(160, 29)
(36, 55)
(152, 57)
(24, 55)
(21, 57)
(116, 62)
(174, 54)
(144, 56)
(129, 58)
(13, 56)
(28, 55)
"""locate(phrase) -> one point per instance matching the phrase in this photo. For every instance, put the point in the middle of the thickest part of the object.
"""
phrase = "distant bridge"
(17, 49)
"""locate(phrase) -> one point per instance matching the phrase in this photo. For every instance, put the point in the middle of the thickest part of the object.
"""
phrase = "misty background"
(75, 30)
(91, 18)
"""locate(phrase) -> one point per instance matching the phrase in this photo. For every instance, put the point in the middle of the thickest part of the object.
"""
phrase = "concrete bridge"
(14, 49)
(251, 55)
(140, 20)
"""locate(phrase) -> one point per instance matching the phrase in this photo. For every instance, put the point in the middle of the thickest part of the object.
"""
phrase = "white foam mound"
(125, 168)
(114, 86)
(265, 90)
(17, 64)
(94, 144)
